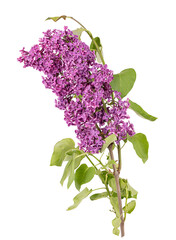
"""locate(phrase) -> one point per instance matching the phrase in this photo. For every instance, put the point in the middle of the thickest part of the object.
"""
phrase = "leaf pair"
(65, 150)
(123, 82)
(116, 221)
(139, 141)
(116, 224)
(74, 161)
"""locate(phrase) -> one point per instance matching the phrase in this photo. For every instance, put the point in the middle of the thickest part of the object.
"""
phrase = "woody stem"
(116, 175)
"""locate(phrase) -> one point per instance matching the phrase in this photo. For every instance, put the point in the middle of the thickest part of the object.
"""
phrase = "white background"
(137, 34)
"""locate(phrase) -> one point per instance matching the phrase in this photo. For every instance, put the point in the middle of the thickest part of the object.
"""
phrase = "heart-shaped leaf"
(140, 145)
(124, 81)
(84, 174)
(60, 150)
(130, 206)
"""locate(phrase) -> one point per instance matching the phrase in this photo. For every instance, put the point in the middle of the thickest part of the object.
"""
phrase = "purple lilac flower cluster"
(82, 87)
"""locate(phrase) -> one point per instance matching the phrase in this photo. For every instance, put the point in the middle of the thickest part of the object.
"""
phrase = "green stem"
(101, 133)
(91, 162)
(123, 146)
(91, 36)
(104, 106)
(113, 101)
(98, 160)
(107, 189)
(126, 203)
(102, 155)
(98, 189)
(106, 186)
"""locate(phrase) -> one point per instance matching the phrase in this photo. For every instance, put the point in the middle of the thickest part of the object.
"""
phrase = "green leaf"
(79, 197)
(105, 176)
(77, 155)
(66, 170)
(75, 151)
(132, 193)
(112, 184)
(71, 176)
(116, 231)
(98, 196)
(60, 150)
(123, 186)
(67, 158)
(79, 175)
(78, 32)
(140, 111)
(74, 158)
(116, 224)
(110, 139)
(140, 145)
(124, 81)
(84, 174)
(130, 206)
(115, 205)
(55, 19)
(93, 48)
